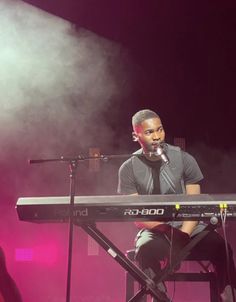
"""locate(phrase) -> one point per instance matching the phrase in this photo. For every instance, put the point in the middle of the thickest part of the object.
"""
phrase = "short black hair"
(143, 115)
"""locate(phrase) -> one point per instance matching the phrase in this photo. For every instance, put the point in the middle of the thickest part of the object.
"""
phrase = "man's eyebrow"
(148, 129)
(152, 129)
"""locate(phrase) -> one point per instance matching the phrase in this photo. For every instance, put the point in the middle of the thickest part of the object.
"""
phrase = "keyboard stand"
(185, 252)
(148, 286)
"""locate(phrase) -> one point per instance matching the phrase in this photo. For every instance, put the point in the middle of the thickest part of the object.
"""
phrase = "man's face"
(150, 133)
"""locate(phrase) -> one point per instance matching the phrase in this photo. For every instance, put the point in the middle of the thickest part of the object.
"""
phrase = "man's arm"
(187, 227)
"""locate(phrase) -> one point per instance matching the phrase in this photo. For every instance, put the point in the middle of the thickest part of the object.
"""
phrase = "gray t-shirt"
(129, 182)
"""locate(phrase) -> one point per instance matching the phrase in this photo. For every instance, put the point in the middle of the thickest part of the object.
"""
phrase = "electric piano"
(87, 210)
(127, 208)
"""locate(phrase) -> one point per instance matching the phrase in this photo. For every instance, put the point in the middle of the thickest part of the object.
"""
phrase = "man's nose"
(155, 136)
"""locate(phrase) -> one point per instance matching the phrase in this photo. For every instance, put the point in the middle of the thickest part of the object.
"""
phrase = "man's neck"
(151, 157)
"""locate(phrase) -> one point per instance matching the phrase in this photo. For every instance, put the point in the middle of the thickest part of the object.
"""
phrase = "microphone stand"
(73, 165)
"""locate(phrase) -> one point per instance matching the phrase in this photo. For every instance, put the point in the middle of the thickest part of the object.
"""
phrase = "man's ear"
(134, 137)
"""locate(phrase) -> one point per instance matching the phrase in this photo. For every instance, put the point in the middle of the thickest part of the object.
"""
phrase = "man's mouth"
(155, 145)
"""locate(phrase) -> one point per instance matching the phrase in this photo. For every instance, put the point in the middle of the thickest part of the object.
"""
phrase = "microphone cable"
(170, 241)
(223, 216)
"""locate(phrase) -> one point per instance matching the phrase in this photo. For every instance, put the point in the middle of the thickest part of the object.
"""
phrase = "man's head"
(147, 130)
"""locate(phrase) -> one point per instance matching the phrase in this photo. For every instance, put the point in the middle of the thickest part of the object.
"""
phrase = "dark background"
(185, 56)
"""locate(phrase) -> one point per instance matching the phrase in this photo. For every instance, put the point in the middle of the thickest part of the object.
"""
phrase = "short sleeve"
(192, 172)
(126, 179)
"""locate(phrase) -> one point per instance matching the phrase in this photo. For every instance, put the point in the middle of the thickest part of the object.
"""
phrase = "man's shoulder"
(186, 157)
(126, 164)
(129, 162)
(177, 149)
(139, 151)
(173, 148)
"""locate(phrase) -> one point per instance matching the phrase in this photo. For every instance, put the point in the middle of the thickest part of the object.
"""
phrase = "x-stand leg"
(148, 286)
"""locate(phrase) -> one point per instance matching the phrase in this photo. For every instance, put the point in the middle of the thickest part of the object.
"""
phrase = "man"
(164, 169)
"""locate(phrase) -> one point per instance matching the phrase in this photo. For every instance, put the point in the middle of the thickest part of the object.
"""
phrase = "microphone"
(160, 152)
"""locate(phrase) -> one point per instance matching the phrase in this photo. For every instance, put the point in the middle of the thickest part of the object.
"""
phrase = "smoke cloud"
(57, 87)
(55, 82)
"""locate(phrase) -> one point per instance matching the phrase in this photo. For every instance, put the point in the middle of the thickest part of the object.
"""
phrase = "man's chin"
(149, 150)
